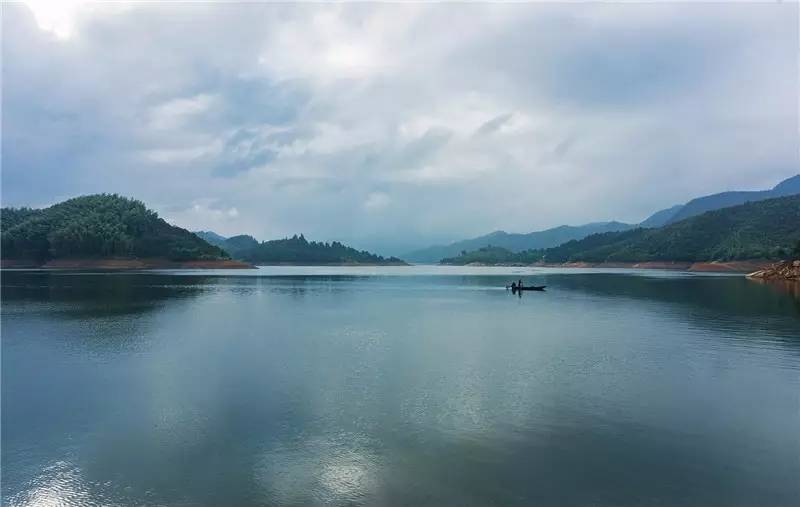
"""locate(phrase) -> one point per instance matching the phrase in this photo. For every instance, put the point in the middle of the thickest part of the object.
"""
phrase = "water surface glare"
(398, 386)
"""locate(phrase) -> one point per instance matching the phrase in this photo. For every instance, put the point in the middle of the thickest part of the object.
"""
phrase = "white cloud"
(56, 16)
(204, 214)
(178, 112)
(183, 155)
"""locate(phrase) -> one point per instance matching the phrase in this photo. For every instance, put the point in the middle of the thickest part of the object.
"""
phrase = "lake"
(399, 386)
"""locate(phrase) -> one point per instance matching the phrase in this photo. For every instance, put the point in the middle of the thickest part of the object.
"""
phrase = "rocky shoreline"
(785, 270)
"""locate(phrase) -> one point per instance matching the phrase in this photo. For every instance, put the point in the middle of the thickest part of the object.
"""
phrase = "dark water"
(609, 389)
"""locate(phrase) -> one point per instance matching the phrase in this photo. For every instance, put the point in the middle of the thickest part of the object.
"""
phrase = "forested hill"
(298, 250)
(98, 226)
(789, 186)
(766, 229)
(699, 205)
(551, 238)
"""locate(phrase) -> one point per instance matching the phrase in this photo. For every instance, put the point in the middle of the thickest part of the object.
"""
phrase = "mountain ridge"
(766, 229)
(699, 205)
(554, 236)
(210, 237)
(295, 250)
(515, 242)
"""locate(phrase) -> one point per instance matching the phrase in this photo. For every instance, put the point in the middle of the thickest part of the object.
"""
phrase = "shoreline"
(157, 263)
(354, 264)
(742, 267)
(784, 271)
(124, 264)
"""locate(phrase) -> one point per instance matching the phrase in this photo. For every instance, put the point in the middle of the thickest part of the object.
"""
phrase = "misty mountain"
(763, 229)
(789, 186)
(558, 235)
(766, 229)
(660, 218)
(210, 237)
(239, 246)
(515, 242)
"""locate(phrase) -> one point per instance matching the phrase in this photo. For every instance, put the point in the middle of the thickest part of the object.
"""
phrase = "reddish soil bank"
(150, 263)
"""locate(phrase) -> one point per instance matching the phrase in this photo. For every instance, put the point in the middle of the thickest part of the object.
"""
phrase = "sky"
(396, 126)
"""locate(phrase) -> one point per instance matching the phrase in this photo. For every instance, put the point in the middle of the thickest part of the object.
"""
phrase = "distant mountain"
(767, 229)
(493, 255)
(98, 226)
(515, 242)
(211, 237)
(789, 186)
(558, 235)
(240, 246)
(298, 250)
(660, 218)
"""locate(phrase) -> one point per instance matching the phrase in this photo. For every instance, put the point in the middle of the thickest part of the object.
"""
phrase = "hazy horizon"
(393, 127)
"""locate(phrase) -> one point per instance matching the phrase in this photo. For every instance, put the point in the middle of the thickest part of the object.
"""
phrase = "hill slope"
(210, 237)
(660, 218)
(558, 235)
(765, 229)
(98, 226)
(515, 242)
(789, 186)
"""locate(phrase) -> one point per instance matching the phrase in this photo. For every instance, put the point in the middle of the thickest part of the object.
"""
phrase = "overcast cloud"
(395, 126)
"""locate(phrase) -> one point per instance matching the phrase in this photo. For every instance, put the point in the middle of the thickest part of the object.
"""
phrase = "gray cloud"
(493, 125)
(390, 126)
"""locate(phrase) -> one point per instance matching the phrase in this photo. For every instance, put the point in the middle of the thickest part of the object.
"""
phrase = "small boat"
(528, 287)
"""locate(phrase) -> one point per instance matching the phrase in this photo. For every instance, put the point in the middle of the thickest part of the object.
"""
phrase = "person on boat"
(519, 284)
(513, 286)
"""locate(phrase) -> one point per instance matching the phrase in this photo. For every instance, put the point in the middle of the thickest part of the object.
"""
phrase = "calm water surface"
(398, 386)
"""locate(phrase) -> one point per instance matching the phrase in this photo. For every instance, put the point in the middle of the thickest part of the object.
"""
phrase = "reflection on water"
(297, 387)
(314, 470)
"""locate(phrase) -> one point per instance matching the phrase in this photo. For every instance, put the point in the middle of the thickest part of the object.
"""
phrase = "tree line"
(298, 249)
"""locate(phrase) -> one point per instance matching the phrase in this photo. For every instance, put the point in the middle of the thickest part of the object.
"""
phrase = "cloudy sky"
(394, 126)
